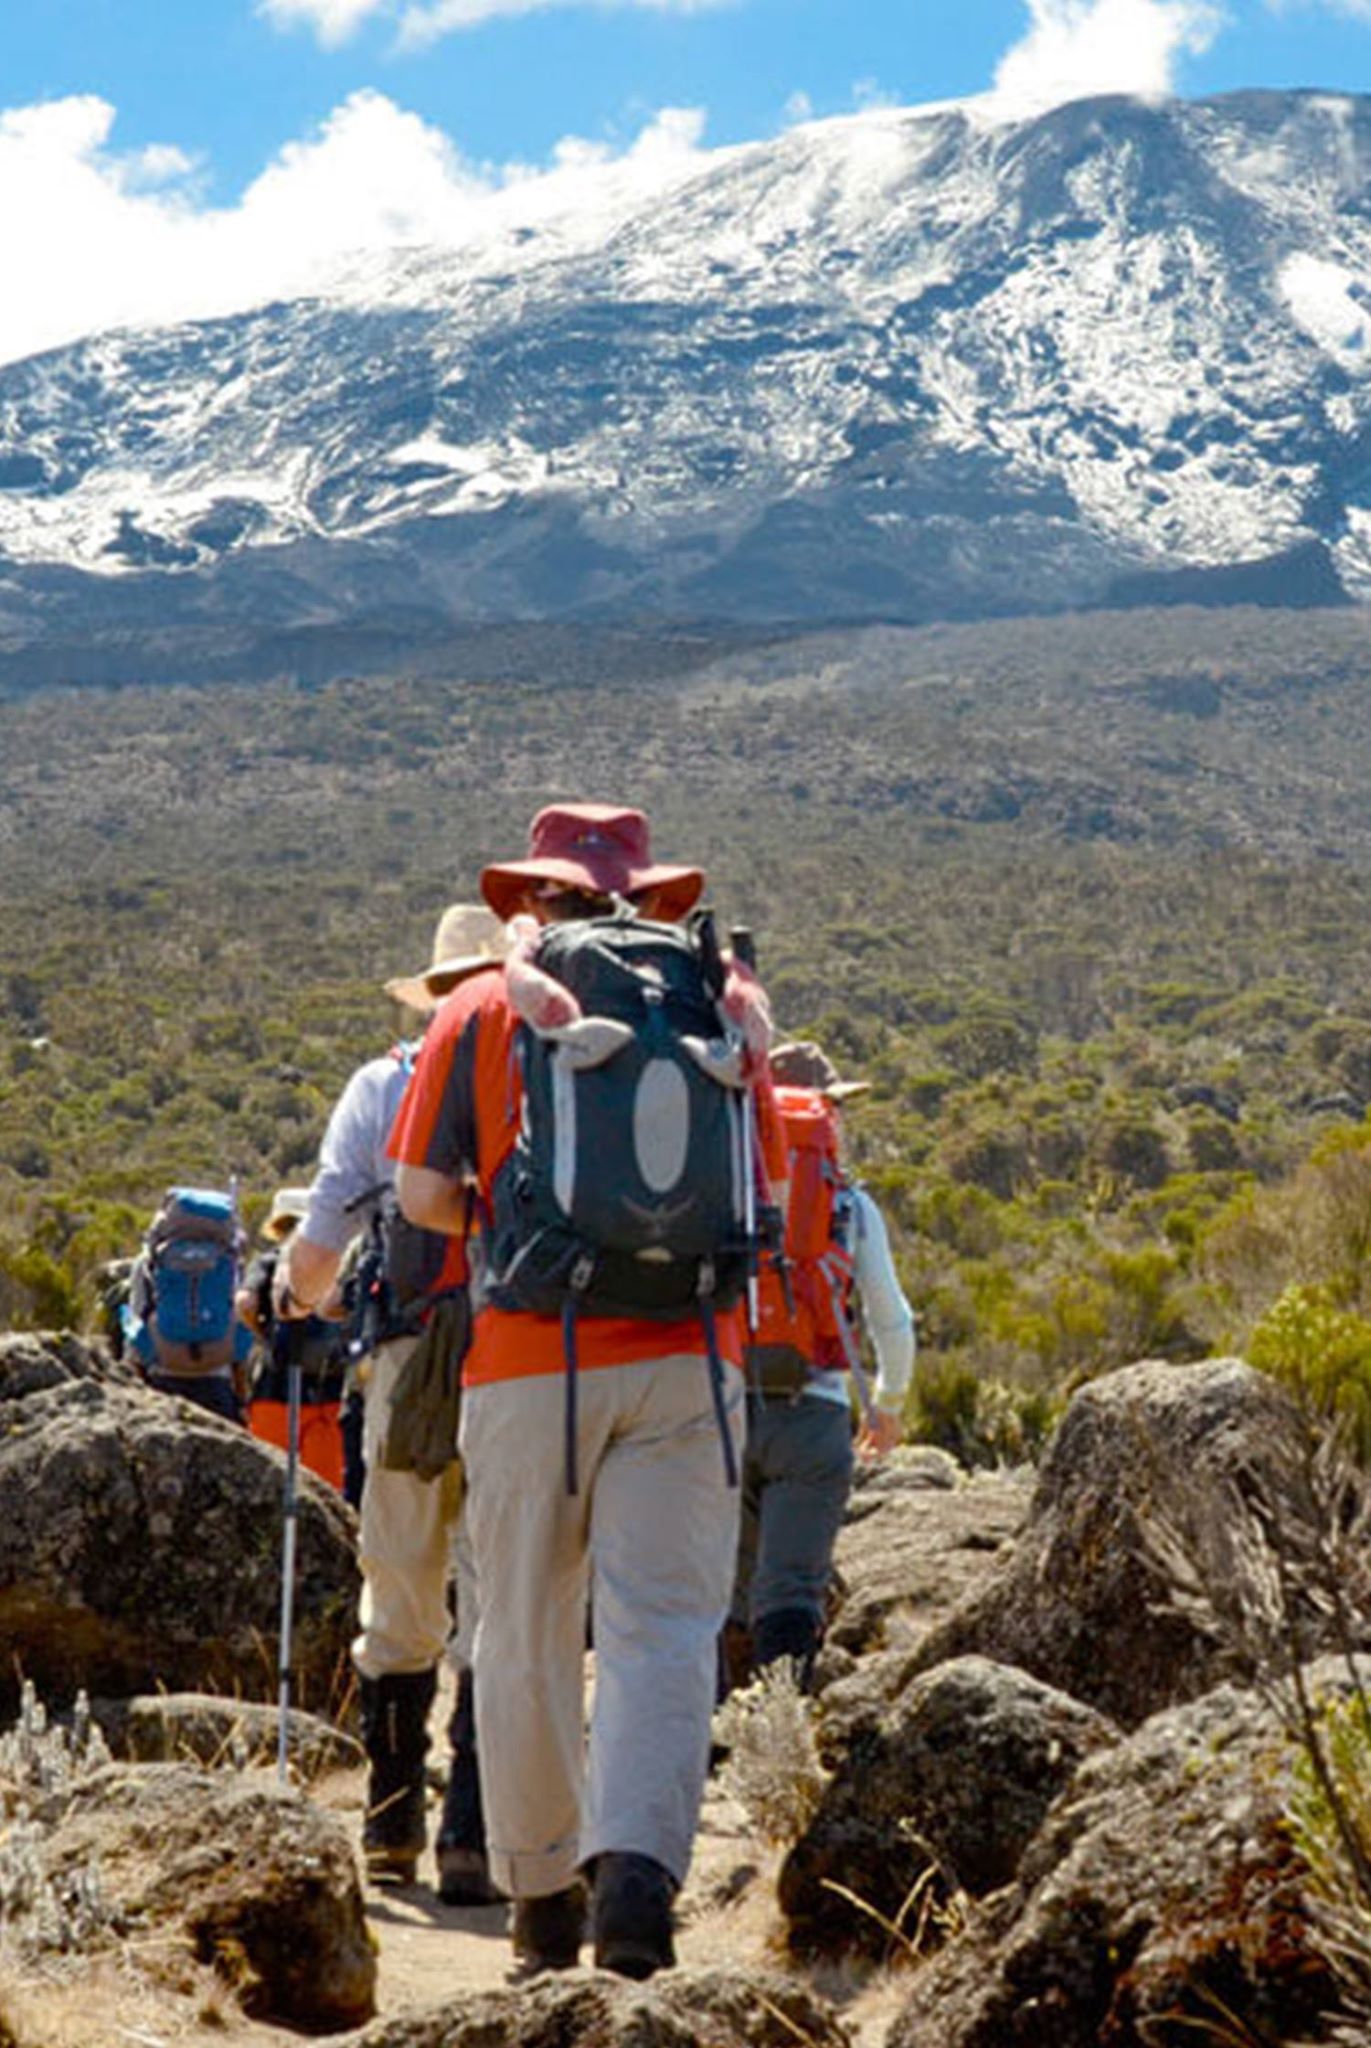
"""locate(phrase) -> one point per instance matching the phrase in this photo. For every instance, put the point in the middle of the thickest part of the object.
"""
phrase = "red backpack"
(804, 1317)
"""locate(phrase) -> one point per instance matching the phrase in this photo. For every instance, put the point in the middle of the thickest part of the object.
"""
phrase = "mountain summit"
(902, 365)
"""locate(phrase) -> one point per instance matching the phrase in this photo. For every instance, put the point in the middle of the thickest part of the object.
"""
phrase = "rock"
(1161, 1900)
(680, 2009)
(940, 1794)
(141, 1542)
(196, 1727)
(913, 1546)
(1078, 1603)
(252, 1879)
(908, 1469)
(30, 1362)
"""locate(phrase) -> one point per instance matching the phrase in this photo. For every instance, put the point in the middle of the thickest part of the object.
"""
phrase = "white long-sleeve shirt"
(886, 1314)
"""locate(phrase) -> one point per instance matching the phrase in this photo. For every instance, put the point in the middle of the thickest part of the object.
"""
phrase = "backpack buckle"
(705, 1285)
(582, 1273)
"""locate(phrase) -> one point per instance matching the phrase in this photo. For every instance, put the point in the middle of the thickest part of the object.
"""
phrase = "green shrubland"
(1118, 1032)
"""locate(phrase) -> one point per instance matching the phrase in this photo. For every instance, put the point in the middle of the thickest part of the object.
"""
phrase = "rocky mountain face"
(902, 366)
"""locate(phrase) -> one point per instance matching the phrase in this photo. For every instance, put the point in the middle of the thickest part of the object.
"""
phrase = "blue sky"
(230, 82)
(159, 159)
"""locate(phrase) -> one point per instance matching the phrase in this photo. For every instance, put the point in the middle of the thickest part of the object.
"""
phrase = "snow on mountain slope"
(902, 364)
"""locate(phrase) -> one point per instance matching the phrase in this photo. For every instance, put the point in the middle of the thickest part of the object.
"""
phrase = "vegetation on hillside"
(1082, 899)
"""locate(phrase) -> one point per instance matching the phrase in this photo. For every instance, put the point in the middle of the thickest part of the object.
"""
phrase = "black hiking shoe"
(460, 1850)
(632, 1915)
(464, 1876)
(792, 1633)
(394, 1716)
(393, 1839)
(548, 1932)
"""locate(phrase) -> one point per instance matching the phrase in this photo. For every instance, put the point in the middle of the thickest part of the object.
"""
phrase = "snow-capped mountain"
(903, 365)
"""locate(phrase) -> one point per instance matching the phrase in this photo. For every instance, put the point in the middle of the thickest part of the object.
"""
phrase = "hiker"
(315, 1343)
(179, 1322)
(799, 1461)
(113, 1285)
(411, 1320)
(597, 1441)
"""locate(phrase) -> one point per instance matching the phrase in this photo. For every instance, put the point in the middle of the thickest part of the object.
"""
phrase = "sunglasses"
(562, 902)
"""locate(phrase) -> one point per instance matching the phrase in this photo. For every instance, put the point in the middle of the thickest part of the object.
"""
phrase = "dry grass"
(773, 1769)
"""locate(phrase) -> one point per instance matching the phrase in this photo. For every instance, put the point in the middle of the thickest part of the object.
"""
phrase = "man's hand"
(880, 1433)
(285, 1305)
(305, 1273)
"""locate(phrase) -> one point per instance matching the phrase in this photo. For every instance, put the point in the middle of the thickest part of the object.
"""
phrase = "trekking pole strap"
(570, 1424)
(582, 1273)
(716, 1386)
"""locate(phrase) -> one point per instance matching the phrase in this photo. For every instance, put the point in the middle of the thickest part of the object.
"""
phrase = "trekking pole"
(283, 1344)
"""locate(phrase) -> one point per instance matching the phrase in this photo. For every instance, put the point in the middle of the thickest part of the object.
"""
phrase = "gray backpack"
(624, 1193)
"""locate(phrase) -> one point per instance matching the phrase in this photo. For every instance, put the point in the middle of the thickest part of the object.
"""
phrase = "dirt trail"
(430, 1953)
(927, 1556)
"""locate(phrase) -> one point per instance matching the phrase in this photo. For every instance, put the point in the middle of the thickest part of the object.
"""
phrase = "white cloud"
(332, 21)
(92, 239)
(870, 93)
(1075, 48)
(422, 22)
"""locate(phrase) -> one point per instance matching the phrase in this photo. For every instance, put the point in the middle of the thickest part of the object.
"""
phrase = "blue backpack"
(183, 1320)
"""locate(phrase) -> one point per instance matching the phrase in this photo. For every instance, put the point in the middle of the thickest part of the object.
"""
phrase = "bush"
(982, 1422)
(1322, 1353)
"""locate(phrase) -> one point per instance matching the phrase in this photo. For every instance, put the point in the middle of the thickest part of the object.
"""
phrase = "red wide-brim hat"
(597, 847)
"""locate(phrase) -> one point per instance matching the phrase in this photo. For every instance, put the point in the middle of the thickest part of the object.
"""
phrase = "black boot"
(395, 1731)
(632, 1914)
(733, 1660)
(463, 1874)
(548, 1931)
(792, 1632)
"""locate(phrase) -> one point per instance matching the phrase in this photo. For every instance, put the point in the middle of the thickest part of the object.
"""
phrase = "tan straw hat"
(468, 938)
(601, 848)
(800, 1063)
(288, 1206)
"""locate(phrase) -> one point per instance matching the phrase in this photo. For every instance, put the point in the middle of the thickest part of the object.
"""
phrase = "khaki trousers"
(649, 1541)
(411, 1542)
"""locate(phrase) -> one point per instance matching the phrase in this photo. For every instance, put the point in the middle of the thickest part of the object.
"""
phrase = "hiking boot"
(548, 1932)
(460, 1850)
(394, 1731)
(632, 1917)
(464, 1876)
(791, 1632)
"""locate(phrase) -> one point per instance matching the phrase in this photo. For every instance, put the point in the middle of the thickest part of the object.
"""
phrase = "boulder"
(197, 1727)
(30, 1361)
(680, 2009)
(1163, 1899)
(1079, 1602)
(141, 1542)
(939, 1795)
(228, 1868)
(920, 1535)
